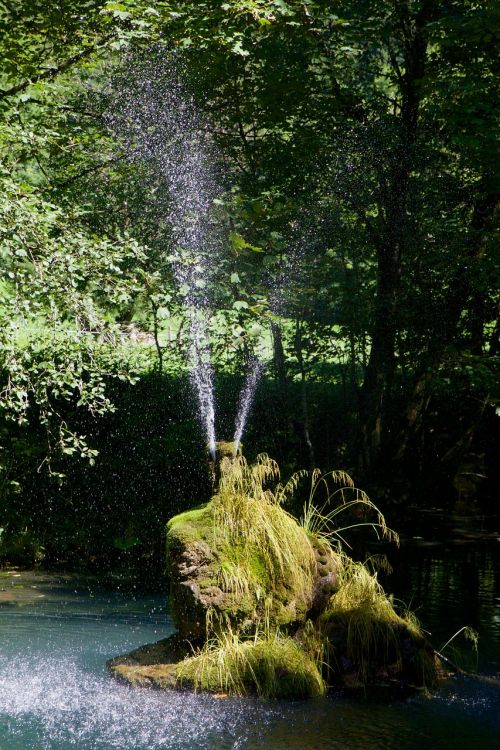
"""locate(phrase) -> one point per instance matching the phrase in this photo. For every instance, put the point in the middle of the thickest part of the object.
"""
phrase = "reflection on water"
(450, 581)
(55, 693)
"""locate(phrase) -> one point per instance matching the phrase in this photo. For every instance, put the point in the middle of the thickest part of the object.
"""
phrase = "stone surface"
(325, 581)
(153, 664)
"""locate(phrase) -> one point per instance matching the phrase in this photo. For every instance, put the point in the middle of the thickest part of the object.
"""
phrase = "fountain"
(245, 402)
(157, 120)
(240, 566)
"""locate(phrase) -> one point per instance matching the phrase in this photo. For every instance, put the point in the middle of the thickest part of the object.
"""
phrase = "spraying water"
(246, 398)
(158, 122)
(156, 118)
(202, 374)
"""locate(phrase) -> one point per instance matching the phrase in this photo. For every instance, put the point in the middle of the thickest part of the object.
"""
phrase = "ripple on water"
(55, 693)
(56, 704)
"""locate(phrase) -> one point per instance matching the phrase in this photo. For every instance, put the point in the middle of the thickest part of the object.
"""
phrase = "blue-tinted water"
(55, 693)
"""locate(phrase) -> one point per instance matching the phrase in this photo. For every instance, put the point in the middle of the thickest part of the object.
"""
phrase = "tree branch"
(52, 72)
(91, 169)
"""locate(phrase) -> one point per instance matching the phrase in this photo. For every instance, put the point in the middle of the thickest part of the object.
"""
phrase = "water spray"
(157, 120)
(246, 398)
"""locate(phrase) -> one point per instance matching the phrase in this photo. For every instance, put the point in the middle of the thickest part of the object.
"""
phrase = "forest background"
(356, 144)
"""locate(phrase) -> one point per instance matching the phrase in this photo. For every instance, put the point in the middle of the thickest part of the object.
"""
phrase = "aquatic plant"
(456, 656)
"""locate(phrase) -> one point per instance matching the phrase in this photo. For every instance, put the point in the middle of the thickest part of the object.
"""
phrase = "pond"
(55, 693)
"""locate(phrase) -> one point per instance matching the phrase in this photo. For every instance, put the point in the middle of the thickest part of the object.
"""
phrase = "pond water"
(55, 693)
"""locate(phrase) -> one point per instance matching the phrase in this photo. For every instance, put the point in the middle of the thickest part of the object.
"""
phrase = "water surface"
(55, 693)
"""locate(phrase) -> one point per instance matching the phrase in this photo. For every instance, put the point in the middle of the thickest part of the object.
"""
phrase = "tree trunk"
(303, 393)
(279, 357)
(468, 288)
(465, 295)
(156, 334)
(375, 395)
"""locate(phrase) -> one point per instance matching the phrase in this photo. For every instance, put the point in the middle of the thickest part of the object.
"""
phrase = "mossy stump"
(224, 449)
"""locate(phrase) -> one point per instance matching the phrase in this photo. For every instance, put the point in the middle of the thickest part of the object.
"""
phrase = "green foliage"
(57, 341)
(314, 110)
(359, 626)
(20, 548)
(470, 635)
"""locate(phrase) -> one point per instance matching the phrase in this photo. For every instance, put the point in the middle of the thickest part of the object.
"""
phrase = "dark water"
(55, 693)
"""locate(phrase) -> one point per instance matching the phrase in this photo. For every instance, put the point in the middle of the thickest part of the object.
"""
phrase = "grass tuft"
(273, 666)
(373, 633)
(259, 542)
(339, 491)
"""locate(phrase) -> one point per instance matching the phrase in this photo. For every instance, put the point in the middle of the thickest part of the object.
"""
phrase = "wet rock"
(154, 664)
(325, 582)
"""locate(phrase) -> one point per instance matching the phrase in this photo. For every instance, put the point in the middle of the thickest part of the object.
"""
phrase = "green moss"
(243, 567)
(225, 448)
(261, 559)
(264, 543)
(191, 526)
(205, 583)
(272, 667)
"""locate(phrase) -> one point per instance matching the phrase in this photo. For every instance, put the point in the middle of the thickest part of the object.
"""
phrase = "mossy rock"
(365, 649)
(256, 595)
(154, 664)
(226, 449)
(204, 581)
(193, 567)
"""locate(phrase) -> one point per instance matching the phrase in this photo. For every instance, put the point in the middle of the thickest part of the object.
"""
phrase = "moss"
(265, 543)
(206, 583)
(152, 664)
(225, 448)
(241, 555)
(191, 526)
(157, 675)
(246, 561)
(258, 568)
(273, 667)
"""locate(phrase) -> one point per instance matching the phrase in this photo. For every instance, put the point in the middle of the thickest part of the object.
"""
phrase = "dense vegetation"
(356, 145)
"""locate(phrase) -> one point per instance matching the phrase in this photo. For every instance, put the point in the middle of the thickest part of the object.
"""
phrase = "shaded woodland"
(356, 148)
